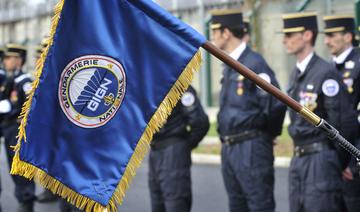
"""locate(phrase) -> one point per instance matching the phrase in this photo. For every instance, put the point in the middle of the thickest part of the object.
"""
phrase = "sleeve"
(339, 112)
(357, 92)
(195, 117)
(357, 97)
(2, 76)
(17, 97)
(6, 88)
(273, 109)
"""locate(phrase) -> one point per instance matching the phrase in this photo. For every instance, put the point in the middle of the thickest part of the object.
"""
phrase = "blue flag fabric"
(110, 76)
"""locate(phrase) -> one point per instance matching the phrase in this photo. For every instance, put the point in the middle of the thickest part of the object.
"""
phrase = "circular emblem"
(91, 90)
(188, 99)
(27, 87)
(330, 87)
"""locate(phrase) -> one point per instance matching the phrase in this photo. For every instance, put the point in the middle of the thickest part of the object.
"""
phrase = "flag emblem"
(91, 89)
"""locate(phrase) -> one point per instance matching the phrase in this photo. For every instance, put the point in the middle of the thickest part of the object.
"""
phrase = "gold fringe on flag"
(155, 124)
(39, 67)
(31, 172)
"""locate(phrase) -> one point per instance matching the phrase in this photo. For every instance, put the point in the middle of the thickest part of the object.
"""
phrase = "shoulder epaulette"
(22, 77)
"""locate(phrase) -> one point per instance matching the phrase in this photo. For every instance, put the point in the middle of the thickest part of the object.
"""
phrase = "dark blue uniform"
(315, 170)
(248, 121)
(170, 155)
(2, 76)
(350, 74)
(14, 91)
(2, 79)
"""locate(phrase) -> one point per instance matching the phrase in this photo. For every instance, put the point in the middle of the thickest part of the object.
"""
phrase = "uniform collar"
(17, 73)
(238, 51)
(14, 74)
(342, 57)
(303, 64)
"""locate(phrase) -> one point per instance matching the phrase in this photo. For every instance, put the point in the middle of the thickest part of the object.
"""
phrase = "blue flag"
(110, 76)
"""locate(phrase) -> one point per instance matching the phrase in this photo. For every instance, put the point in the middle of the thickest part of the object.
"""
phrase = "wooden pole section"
(307, 114)
(247, 73)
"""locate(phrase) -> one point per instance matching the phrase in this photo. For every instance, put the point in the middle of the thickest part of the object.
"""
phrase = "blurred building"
(28, 22)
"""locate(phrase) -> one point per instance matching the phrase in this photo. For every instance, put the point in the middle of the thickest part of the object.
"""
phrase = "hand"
(9, 85)
(347, 174)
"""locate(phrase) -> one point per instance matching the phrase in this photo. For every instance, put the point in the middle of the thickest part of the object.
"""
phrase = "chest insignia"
(240, 85)
(309, 87)
(346, 74)
(350, 64)
(349, 82)
(308, 99)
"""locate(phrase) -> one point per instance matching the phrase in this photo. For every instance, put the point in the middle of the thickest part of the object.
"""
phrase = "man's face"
(218, 38)
(294, 42)
(12, 63)
(336, 42)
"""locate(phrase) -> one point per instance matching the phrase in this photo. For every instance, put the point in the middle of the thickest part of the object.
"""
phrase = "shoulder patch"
(188, 99)
(27, 87)
(330, 87)
(265, 77)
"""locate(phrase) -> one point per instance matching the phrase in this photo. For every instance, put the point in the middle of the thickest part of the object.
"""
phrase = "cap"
(339, 23)
(17, 50)
(299, 22)
(226, 18)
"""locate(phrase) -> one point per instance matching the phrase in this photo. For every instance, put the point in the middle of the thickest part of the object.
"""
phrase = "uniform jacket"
(245, 106)
(350, 74)
(320, 89)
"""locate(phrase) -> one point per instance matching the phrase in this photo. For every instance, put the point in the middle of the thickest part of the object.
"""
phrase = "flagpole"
(307, 114)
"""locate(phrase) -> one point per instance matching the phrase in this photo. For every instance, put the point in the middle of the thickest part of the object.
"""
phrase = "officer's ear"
(19, 62)
(226, 33)
(307, 36)
(348, 37)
